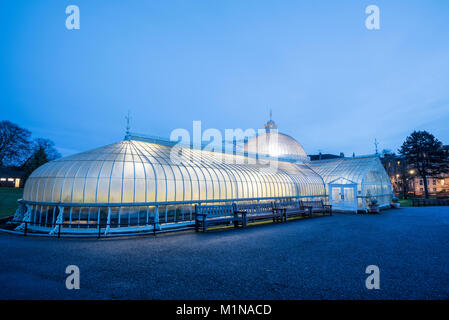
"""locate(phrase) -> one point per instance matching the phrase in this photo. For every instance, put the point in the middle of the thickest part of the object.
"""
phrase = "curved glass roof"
(367, 172)
(142, 172)
(354, 169)
(275, 144)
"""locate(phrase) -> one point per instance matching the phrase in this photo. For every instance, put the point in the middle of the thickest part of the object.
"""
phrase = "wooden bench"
(206, 216)
(315, 206)
(260, 211)
(290, 209)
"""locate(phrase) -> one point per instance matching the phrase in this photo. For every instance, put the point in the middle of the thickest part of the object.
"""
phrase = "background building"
(10, 177)
(405, 181)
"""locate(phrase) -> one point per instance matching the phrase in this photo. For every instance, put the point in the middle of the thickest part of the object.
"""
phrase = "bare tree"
(15, 144)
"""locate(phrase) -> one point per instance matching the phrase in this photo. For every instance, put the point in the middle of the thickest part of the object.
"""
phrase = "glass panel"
(90, 190)
(349, 195)
(115, 192)
(336, 194)
(128, 191)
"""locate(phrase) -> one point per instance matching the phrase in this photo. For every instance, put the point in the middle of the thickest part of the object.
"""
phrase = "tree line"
(20, 152)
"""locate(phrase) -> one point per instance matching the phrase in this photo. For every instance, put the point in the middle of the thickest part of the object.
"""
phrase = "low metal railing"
(99, 226)
(150, 217)
(86, 216)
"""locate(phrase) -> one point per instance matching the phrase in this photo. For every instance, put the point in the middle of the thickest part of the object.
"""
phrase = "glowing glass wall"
(134, 182)
(367, 172)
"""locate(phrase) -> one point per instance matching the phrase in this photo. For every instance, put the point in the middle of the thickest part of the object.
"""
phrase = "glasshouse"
(351, 183)
(141, 185)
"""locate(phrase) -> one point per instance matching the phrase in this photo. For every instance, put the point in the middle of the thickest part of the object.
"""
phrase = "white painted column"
(108, 222)
(26, 217)
(59, 220)
(156, 217)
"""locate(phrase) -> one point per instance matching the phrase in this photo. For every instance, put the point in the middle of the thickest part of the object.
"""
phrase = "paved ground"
(321, 258)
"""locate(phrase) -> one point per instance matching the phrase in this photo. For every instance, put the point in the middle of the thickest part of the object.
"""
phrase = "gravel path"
(321, 258)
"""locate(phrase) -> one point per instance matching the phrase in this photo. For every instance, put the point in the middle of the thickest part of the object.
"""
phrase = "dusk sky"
(332, 84)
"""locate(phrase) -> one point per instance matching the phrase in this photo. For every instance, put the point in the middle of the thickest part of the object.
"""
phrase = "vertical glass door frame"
(344, 205)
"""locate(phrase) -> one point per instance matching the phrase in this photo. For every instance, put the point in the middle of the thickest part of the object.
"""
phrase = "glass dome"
(275, 144)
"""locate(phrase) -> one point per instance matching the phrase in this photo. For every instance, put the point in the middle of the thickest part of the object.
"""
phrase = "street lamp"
(412, 172)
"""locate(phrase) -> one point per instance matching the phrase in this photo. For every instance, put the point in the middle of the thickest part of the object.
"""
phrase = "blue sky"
(331, 83)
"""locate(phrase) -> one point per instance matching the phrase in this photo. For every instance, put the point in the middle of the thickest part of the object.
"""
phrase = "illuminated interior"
(367, 173)
(137, 185)
(275, 144)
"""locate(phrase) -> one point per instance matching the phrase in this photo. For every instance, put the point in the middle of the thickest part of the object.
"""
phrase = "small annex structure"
(143, 184)
(351, 183)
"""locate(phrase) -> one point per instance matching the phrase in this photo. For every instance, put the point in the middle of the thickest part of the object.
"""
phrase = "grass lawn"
(8, 200)
(405, 202)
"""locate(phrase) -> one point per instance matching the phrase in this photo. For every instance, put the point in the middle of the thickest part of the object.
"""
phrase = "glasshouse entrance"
(343, 195)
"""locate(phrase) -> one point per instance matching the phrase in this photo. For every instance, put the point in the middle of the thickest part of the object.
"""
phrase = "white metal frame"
(349, 184)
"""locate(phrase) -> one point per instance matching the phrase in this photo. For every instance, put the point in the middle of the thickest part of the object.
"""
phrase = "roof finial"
(376, 144)
(270, 124)
(128, 126)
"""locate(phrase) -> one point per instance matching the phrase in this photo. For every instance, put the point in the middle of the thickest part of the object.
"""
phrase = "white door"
(343, 197)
